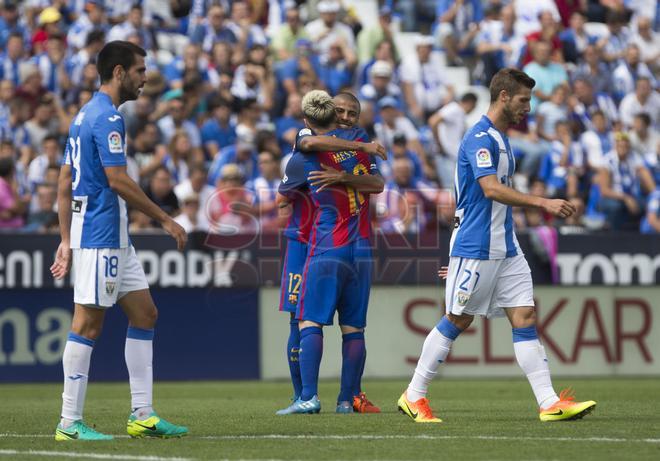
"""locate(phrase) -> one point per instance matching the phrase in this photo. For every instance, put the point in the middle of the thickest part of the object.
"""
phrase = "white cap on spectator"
(424, 40)
(328, 6)
(381, 69)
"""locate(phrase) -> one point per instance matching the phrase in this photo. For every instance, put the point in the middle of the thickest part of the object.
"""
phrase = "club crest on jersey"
(483, 158)
(462, 298)
(114, 143)
(110, 287)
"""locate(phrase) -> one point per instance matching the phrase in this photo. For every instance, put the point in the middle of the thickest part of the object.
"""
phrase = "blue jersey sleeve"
(109, 136)
(294, 175)
(302, 134)
(479, 151)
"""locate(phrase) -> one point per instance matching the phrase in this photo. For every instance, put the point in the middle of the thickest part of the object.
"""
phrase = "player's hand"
(62, 262)
(559, 208)
(177, 232)
(373, 148)
(325, 178)
(443, 272)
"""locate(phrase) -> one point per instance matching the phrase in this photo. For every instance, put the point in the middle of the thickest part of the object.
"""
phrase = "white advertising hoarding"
(585, 331)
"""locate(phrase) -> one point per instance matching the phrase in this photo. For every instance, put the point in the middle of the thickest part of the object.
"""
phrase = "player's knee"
(462, 321)
(87, 330)
(523, 317)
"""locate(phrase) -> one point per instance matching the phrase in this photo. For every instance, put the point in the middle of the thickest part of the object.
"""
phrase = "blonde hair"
(318, 108)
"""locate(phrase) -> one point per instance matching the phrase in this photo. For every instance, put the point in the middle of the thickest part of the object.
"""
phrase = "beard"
(510, 116)
(127, 91)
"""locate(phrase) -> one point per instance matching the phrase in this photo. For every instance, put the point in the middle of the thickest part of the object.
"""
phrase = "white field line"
(73, 454)
(380, 437)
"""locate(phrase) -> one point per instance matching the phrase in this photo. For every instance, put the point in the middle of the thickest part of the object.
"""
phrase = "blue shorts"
(337, 279)
(294, 263)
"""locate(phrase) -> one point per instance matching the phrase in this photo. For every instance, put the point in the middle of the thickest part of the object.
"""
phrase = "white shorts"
(485, 287)
(101, 276)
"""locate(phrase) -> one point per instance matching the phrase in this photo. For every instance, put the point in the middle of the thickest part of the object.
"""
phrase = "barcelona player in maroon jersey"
(297, 233)
(337, 273)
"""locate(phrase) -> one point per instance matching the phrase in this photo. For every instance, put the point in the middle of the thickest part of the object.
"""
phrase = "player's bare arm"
(330, 143)
(367, 183)
(62, 262)
(123, 185)
(494, 190)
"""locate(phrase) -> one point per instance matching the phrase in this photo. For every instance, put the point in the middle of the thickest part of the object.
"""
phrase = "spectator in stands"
(222, 59)
(393, 122)
(448, 126)
(575, 38)
(230, 208)
(133, 25)
(44, 122)
(215, 28)
(497, 43)
(325, 30)
(305, 62)
(12, 57)
(614, 44)
(244, 28)
(399, 208)
(627, 73)
(548, 33)
(380, 86)
(648, 42)
(528, 15)
(50, 155)
(423, 82)
(196, 185)
(651, 222)
(192, 61)
(176, 120)
(52, 65)
(584, 102)
(160, 191)
(44, 218)
(178, 155)
(400, 150)
(288, 126)
(76, 64)
(646, 142)
(338, 67)
(550, 112)
(643, 100)
(370, 38)
(241, 155)
(594, 70)
(622, 180)
(92, 18)
(384, 52)
(283, 43)
(264, 188)
(11, 22)
(218, 131)
(6, 96)
(12, 206)
(598, 141)
(189, 216)
(546, 73)
(457, 26)
(252, 81)
(144, 146)
(561, 168)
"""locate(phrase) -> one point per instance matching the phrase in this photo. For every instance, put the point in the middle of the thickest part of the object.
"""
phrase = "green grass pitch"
(483, 420)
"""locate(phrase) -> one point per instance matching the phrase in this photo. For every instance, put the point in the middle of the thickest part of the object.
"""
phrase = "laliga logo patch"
(462, 298)
(110, 287)
(483, 158)
(114, 143)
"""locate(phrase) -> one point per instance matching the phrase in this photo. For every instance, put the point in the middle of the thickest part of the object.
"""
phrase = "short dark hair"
(117, 53)
(50, 137)
(96, 35)
(6, 167)
(469, 97)
(509, 80)
(350, 96)
(644, 117)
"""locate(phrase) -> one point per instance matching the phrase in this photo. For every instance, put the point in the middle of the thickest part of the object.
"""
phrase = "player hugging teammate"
(327, 265)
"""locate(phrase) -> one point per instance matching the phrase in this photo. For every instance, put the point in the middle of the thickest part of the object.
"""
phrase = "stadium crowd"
(210, 134)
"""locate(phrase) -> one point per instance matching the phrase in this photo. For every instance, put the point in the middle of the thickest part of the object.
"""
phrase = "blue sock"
(311, 351)
(359, 382)
(353, 352)
(292, 348)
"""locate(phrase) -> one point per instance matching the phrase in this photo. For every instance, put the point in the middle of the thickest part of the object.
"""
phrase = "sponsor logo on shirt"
(483, 158)
(305, 132)
(114, 143)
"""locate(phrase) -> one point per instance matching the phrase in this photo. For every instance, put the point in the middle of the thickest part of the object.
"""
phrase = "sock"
(292, 356)
(531, 357)
(139, 357)
(75, 364)
(359, 381)
(435, 350)
(311, 351)
(352, 351)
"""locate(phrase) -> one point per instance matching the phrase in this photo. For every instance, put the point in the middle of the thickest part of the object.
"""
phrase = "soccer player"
(337, 273)
(488, 274)
(93, 191)
(297, 232)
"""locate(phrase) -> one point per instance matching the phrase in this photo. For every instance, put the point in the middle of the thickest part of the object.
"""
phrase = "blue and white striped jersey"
(96, 140)
(484, 228)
